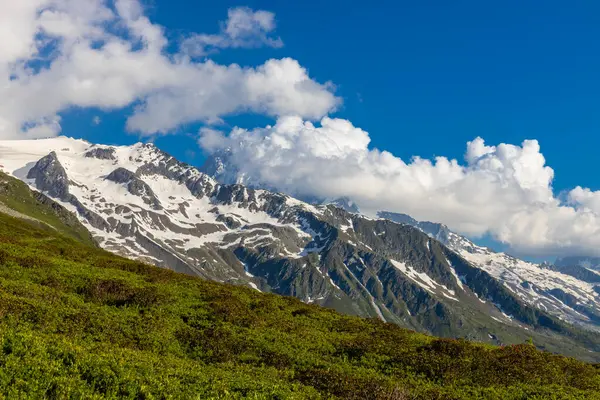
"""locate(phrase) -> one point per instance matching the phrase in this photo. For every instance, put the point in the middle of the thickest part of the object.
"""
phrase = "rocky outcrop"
(135, 186)
(101, 153)
(50, 177)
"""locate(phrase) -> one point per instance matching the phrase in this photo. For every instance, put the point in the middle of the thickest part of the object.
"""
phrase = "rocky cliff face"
(142, 203)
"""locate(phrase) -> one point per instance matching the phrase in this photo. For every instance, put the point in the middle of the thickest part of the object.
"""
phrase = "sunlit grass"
(77, 322)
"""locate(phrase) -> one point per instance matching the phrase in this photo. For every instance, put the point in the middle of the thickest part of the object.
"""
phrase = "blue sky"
(423, 78)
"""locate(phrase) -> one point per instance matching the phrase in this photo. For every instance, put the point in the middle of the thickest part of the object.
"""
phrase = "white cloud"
(208, 91)
(504, 190)
(58, 54)
(243, 28)
(96, 120)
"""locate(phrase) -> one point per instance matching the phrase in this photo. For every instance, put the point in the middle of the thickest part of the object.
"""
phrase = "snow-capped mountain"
(144, 204)
(568, 296)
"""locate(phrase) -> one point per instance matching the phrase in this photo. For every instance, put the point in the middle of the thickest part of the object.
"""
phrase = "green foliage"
(19, 198)
(77, 322)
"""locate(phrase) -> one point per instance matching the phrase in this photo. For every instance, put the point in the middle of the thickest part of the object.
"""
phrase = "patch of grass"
(78, 322)
(18, 197)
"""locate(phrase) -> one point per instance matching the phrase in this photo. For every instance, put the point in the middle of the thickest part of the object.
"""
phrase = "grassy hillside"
(77, 322)
(20, 200)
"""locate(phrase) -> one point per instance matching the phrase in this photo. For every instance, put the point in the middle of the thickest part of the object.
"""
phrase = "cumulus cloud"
(208, 91)
(57, 54)
(503, 190)
(243, 28)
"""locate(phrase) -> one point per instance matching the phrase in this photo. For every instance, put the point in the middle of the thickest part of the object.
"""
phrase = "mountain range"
(141, 203)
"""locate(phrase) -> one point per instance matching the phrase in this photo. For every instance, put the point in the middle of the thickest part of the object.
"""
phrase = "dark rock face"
(230, 222)
(121, 175)
(101, 153)
(135, 186)
(50, 177)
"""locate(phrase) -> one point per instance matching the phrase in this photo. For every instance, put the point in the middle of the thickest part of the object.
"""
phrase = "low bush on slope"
(77, 322)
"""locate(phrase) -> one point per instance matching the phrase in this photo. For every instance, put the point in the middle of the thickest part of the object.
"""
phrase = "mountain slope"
(78, 322)
(142, 203)
(567, 291)
(17, 200)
